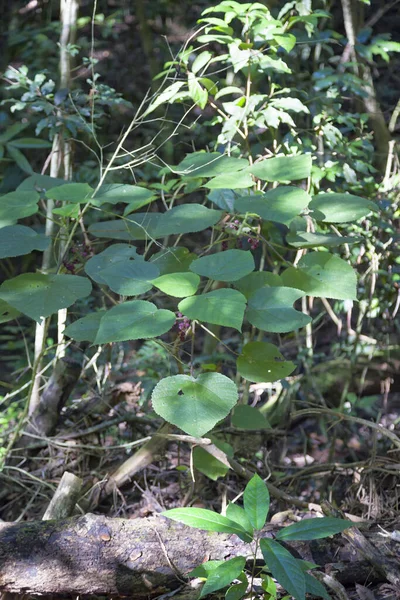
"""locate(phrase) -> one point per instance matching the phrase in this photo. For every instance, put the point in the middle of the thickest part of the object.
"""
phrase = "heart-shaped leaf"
(178, 285)
(110, 257)
(257, 280)
(230, 265)
(283, 168)
(173, 260)
(195, 405)
(85, 329)
(38, 295)
(76, 193)
(134, 320)
(16, 240)
(340, 208)
(220, 307)
(281, 204)
(262, 362)
(17, 205)
(271, 309)
(323, 275)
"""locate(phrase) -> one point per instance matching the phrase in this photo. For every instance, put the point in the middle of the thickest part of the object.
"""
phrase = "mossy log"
(142, 558)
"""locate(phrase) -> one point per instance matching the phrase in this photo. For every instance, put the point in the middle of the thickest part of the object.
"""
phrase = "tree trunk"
(143, 558)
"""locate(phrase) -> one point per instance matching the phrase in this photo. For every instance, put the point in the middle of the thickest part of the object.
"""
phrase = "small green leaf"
(76, 193)
(16, 240)
(134, 320)
(201, 518)
(238, 514)
(314, 529)
(220, 307)
(262, 362)
(201, 60)
(68, 210)
(249, 418)
(86, 328)
(198, 94)
(238, 590)
(340, 208)
(178, 285)
(194, 405)
(38, 295)
(230, 265)
(323, 275)
(223, 575)
(271, 309)
(30, 143)
(208, 465)
(256, 501)
(283, 168)
(284, 567)
(287, 41)
(205, 569)
(281, 204)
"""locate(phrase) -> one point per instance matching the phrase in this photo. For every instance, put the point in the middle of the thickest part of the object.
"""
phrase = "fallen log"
(142, 558)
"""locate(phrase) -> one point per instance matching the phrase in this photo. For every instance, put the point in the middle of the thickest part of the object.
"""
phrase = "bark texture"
(141, 558)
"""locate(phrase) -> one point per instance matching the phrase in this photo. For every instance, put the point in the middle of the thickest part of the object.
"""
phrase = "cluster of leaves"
(291, 573)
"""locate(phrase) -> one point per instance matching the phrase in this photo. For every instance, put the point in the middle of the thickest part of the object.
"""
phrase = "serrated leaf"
(201, 518)
(281, 204)
(208, 465)
(304, 239)
(38, 295)
(86, 328)
(17, 205)
(256, 501)
(16, 240)
(220, 307)
(340, 208)
(283, 168)
(262, 362)
(230, 265)
(133, 320)
(76, 193)
(194, 405)
(313, 529)
(249, 418)
(284, 567)
(178, 285)
(223, 575)
(271, 309)
(255, 281)
(323, 275)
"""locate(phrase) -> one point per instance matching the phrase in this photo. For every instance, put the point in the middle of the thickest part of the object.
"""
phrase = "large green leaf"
(223, 575)
(262, 362)
(38, 182)
(230, 265)
(38, 295)
(133, 195)
(110, 257)
(17, 205)
(173, 260)
(76, 193)
(281, 204)
(255, 281)
(315, 587)
(340, 208)
(256, 501)
(178, 285)
(7, 312)
(209, 164)
(16, 240)
(134, 320)
(223, 198)
(304, 239)
(30, 143)
(130, 277)
(232, 181)
(194, 405)
(201, 518)
(248, 417)
(283, 168)
(20, 159)
(323, 275)
(313, 529)
(271, 309)
(220, 307)
(284, 567)
(85, 329)
(139, 226)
